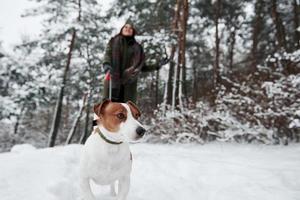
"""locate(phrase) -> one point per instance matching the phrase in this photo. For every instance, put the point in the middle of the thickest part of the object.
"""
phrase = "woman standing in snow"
(124, 59)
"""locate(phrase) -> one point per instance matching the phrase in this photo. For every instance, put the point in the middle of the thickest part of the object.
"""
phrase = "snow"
(295, 124)
(213, 171)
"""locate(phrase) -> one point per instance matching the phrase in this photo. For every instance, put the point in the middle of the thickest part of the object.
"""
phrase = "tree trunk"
(171, 78)
(87, 126)
(48, 120)
(181, 51)
(231, 47)
(91, 82)
(184, 20)
(156, 87)
(175, 87)
(66, 114)
(76, 121)
(19, 117)
(257, 26)
(152, 90)
(165, 98)
(58, 107)
(217, 50)
(296, 25)
(280, 31)
(195, 92)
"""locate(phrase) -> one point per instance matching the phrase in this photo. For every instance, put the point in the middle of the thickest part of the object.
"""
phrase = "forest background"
(233, 73)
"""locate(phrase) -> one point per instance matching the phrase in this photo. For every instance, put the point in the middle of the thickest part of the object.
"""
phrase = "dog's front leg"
(113, 189)
(86, 191)
(123, 187)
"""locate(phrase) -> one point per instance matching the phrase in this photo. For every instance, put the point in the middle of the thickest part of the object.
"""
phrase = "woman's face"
(127, 30)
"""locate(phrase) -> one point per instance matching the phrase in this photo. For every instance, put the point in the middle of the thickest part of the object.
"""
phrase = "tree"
(296, 8)
(257, 28)
(280, 30)
(180, 73)
(80, 23)
(58, 108)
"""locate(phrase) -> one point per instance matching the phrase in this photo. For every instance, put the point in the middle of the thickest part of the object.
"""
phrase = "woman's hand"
(129, 73)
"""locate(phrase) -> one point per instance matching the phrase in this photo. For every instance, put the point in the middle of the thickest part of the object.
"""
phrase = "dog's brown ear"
(134, 109)
(99, 108)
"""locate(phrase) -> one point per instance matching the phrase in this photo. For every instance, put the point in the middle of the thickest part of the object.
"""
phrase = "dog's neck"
(110, 136)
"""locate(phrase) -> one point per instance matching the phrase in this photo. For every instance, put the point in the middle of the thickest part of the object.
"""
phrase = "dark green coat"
(122, 53)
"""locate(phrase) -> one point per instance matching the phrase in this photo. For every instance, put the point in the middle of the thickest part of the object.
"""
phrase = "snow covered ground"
(160, 172)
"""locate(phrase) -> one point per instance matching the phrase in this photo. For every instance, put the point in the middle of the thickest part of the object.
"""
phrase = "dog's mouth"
(138, 137)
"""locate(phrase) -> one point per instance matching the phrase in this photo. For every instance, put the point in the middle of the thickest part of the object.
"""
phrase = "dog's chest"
(110, 165)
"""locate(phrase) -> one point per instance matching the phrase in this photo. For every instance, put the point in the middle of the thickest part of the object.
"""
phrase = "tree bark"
(19, 117)
(296, 25)
(179, 29)
(171, 78)
(280, 30)
(87, 125)
(156, 88)
(76, 121)
(231, 47)
(195, 92)
(66, 113)
(181, 51)
(58, 107)
(257, 26)
(217, 50)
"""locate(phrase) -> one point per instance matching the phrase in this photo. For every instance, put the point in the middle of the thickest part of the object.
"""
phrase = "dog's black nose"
(140, 131)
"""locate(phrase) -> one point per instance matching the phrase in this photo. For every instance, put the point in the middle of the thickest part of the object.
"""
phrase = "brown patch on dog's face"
(134, 110)
(112, 115)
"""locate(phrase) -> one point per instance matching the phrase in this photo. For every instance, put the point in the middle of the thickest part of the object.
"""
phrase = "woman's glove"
(107, 68)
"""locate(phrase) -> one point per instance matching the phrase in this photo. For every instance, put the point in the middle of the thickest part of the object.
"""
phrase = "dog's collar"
(106, 139)
(103, 137)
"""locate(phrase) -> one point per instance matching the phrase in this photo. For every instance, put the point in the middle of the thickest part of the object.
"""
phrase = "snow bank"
(213, 171)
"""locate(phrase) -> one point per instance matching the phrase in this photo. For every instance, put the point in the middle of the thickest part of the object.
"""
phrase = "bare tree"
(256, 28)
(217, 11)
(296, 24)
(176, 71)
(181, 50)
(280, 30)
(77, 119)
(58, 107)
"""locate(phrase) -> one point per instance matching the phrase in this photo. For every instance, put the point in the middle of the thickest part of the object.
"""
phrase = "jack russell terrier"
(106, 157)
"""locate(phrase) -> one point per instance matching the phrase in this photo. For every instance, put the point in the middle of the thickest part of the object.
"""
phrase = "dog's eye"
(121, 116)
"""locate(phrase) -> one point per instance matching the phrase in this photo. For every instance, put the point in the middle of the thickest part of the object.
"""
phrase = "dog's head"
(120, 118)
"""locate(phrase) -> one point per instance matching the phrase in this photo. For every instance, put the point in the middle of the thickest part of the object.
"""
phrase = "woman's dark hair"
(134, 31)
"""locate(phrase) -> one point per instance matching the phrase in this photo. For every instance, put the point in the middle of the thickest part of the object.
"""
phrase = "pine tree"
(80, 23)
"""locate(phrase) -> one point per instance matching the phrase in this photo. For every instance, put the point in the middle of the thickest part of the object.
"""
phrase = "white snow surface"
(160, 172)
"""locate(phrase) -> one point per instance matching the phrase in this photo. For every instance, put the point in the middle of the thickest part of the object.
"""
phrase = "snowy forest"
(233, 75)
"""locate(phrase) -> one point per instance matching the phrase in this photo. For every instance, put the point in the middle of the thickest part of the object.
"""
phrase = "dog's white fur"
(105, 163)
